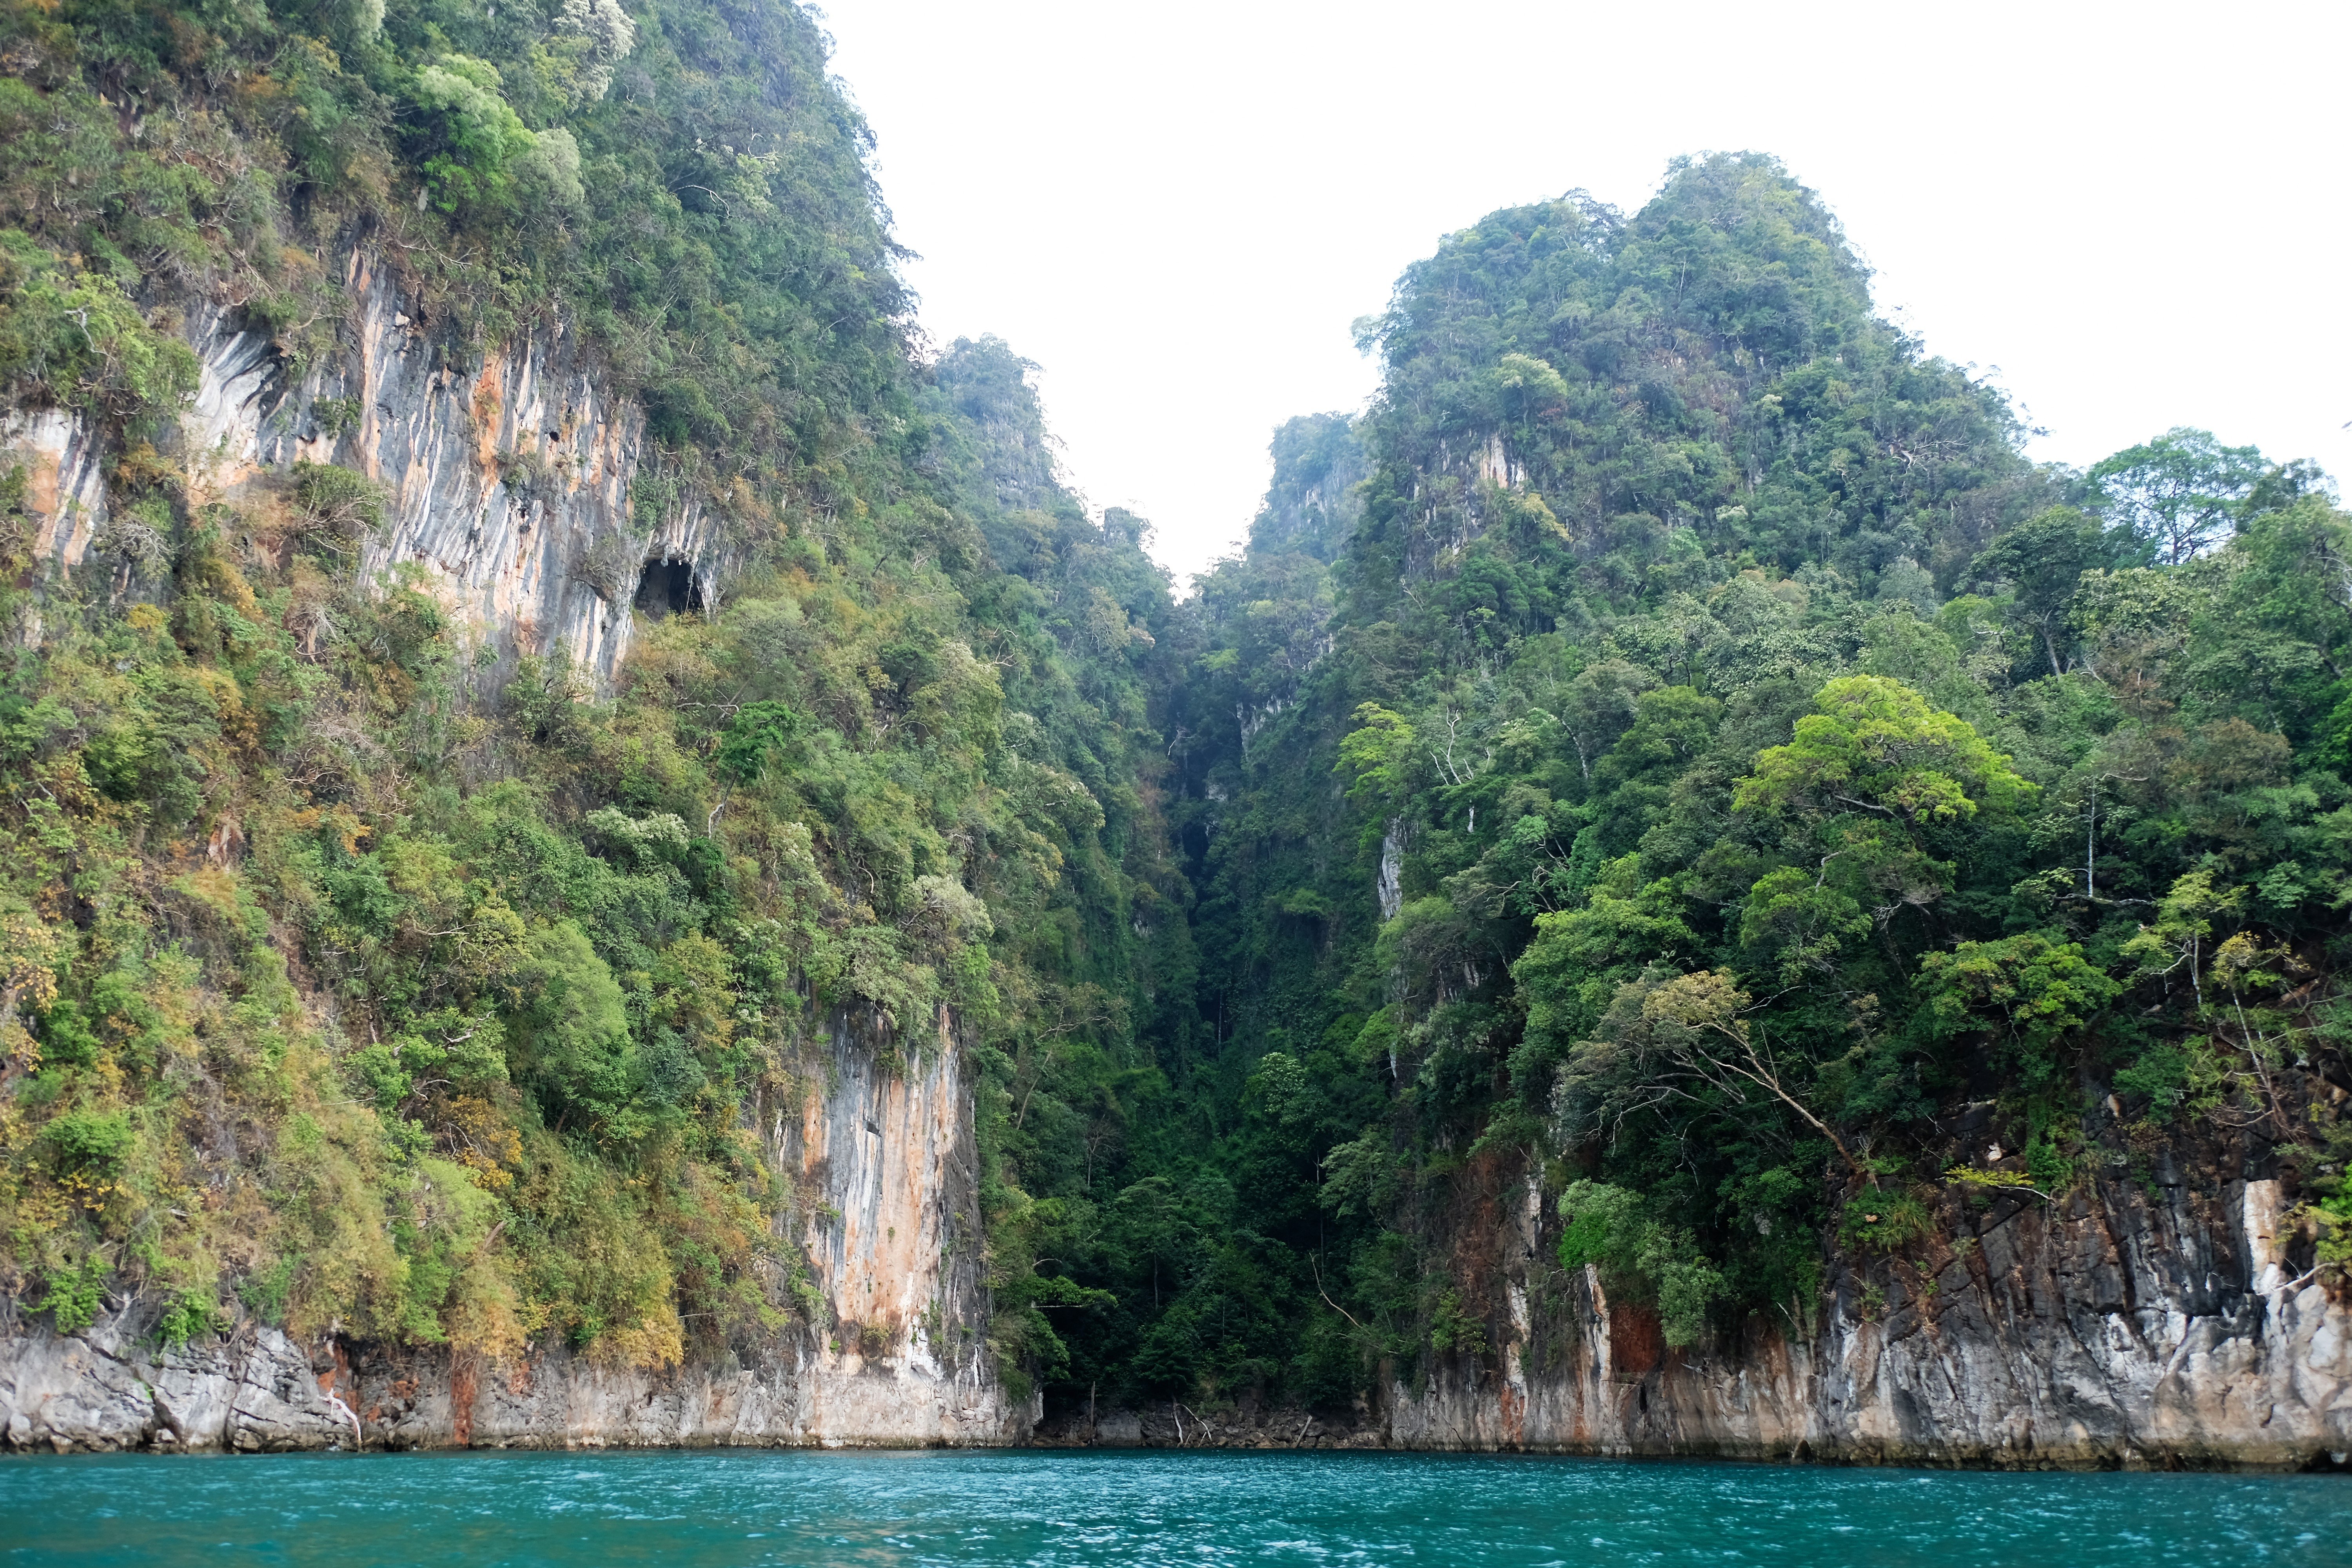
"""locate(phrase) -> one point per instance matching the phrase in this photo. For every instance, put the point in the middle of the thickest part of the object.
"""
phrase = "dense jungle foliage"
(1675, 750)
(354, 980)
(1671, 750)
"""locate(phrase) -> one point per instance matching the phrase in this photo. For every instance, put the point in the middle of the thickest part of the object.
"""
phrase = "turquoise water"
(1193, 1509)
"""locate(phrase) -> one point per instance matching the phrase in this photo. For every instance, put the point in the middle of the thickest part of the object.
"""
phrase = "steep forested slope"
(357, 980)
(1672, 754)
(1701, 758)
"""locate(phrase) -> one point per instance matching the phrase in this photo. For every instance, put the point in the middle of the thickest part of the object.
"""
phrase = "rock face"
(108, 1389)
(2119, 1330)
(884, 1215)
(521, 490)
(2135, 1326)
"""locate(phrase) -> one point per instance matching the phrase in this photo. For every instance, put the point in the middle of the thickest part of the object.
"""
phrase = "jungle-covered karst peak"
(1672, 754)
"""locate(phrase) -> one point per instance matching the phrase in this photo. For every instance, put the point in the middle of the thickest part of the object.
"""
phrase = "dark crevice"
(667, 588)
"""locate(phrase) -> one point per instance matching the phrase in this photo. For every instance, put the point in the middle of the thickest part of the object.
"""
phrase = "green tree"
(1639, 1254)
(2042, 561)
(482, 143)
(2034, 992)
(1875, 745)
(2181, 492)
(1876, 777)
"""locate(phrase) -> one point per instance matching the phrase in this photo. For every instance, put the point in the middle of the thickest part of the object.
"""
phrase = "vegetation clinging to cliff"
(686, 183)
(1715, 756)
(350, 982)
(1665, 755)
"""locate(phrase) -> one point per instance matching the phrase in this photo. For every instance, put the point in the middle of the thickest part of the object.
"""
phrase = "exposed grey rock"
(511, 476)
(885, 1211)
(112, 1387)
(2111, 1332)
(2115, 1332)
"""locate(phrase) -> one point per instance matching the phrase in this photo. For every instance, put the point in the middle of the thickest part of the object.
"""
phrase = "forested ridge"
(1673, 748)
(355, 982)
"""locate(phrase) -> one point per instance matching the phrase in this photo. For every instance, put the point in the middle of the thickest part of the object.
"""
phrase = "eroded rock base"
(110, 1389)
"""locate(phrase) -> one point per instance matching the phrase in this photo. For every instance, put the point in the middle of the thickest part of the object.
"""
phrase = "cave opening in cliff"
(667, 588)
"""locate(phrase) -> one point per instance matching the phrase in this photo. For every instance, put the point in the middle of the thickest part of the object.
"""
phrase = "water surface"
(1057, 1509)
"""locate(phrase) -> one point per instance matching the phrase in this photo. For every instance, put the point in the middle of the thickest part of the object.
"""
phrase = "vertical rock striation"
(2117, 1328)
(513, 481)
(2122, 1329)
(886, 1345)
(888, 1215)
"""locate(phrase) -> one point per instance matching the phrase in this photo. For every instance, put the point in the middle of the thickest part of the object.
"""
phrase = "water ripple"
(1066, 1510)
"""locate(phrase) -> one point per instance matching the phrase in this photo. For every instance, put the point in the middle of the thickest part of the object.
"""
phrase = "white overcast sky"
(2138, 213)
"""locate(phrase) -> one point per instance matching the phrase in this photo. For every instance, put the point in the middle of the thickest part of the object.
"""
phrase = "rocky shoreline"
(2133, 1324)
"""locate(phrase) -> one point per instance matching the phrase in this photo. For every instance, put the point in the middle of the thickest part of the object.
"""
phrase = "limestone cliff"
(2123, 1326)
(512, 479)
(513, 483)
(885, 1345)
(2133, 1324)
(2149, 1316)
